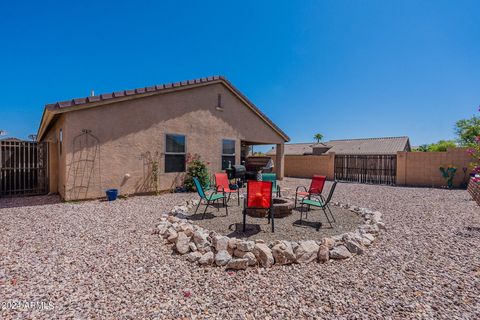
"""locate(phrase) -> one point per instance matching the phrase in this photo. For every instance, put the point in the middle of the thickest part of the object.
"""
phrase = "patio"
(289, 227)
(100, 260)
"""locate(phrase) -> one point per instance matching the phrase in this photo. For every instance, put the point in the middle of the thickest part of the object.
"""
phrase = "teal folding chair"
(209, 199)
(320, 203)
(272, 177)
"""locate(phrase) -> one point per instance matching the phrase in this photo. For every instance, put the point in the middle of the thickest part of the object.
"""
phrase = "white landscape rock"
(307, 251)
(328, 242)
(207, 258)
(340, 252)
(353, 246)
(210, 248)
(323, 254)
(194, 256)
(222, 257)
(245, 245)
(171, 235)
(237, 264)
(200, 239)
(263, 254)
(220, 243)
(183, 243)
(283, 253)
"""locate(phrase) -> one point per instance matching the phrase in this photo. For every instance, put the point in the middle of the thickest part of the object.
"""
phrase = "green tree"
(441, 145)
(466, 131)
(421, 148)
(318, 137)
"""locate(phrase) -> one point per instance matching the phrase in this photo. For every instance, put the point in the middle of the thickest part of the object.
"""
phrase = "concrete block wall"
(306, 166)
(423, 168)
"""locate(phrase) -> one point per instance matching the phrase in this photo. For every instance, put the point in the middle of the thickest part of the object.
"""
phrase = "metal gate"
(377, 169)
(23, 168)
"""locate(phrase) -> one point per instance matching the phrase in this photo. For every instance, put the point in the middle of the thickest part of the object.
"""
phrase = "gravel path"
(96, 260)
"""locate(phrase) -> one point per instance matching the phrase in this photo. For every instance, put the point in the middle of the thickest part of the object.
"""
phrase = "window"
(175, 153)
(60, 139)
(228, 153)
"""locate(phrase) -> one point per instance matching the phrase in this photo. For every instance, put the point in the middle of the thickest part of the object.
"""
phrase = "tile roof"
(110, 97)
(385, 145)
(132, 92)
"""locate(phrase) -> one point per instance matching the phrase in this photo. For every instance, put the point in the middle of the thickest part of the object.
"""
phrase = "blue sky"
(346, 69)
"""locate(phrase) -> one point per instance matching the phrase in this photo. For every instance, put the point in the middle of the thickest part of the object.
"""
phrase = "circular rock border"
(208, 248)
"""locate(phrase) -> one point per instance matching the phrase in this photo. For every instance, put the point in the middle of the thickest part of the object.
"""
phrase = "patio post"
(279, 159)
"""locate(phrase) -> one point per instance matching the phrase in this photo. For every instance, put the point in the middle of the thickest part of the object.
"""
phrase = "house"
(366, 146)
(139, 141)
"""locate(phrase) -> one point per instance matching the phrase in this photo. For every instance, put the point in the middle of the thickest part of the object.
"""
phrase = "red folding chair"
(316, 188)
(259, 196)
(223, 185)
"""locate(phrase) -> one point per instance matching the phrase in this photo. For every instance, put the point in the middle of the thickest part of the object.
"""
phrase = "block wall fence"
(413, 168)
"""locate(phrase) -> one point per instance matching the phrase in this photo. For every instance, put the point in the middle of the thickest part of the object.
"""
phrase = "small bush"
(196, 168)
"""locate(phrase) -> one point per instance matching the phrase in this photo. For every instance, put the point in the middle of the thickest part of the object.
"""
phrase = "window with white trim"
(175, 153)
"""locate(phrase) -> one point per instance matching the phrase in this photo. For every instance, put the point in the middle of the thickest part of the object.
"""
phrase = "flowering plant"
(475, 153)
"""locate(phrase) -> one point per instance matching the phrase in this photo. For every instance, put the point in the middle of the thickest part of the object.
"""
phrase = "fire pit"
(281, 208)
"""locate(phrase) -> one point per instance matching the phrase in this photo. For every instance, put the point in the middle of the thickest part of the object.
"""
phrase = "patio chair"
(315, 189)
(272, 177)
(222, 184)
(209, 199)
(320, 203)
(259, 196)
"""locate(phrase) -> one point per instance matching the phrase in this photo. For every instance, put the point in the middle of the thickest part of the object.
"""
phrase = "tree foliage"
(441, 145)
(467, 130)
(318, 137)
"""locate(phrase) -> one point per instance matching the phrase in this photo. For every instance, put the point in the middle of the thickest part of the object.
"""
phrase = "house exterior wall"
(131, 137)
(423, 168)
(56, 160)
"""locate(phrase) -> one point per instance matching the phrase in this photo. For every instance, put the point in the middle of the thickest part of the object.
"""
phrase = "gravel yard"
(102, 260)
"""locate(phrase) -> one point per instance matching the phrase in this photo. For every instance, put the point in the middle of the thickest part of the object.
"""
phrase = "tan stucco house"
(127, 138)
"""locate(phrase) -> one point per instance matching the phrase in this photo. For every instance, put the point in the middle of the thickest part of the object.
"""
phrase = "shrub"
(198, 169)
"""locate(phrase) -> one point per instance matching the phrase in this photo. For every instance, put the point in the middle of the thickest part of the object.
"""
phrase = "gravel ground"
(313, 227)
(96, 260)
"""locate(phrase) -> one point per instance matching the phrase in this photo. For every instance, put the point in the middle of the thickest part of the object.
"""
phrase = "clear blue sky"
(346, 69)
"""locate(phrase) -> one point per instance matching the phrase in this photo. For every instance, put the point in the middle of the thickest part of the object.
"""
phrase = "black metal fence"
(376, 169)
(23, 168)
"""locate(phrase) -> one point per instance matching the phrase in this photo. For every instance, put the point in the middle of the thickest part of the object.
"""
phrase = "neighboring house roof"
(107, 98)
(11, 139)
(386, 145)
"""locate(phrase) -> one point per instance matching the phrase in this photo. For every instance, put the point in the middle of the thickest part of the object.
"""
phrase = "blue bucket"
(112, 194)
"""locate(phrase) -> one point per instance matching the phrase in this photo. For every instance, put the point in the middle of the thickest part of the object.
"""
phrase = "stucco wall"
(307, 166)
(423, 168)
(131, 134)
(56, 160)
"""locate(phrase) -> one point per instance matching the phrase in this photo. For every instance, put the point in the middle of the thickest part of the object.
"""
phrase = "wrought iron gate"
(23, 168)
(377, 169)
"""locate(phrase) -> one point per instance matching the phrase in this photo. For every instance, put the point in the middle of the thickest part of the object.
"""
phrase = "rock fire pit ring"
(281, 207)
